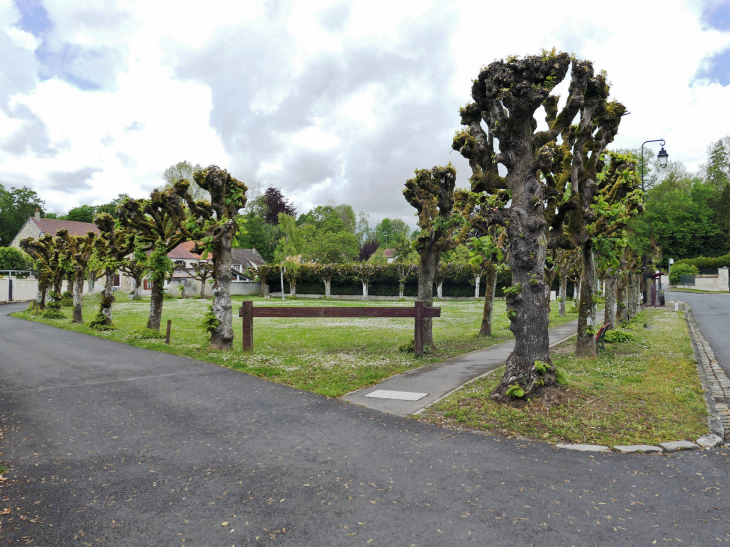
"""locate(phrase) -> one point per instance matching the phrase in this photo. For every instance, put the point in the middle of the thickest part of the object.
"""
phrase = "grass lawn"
(327, 356)
(698, 291)
(642, 391)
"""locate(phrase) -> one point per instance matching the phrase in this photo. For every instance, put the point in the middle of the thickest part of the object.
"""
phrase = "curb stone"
(715, 382)
(716, 387)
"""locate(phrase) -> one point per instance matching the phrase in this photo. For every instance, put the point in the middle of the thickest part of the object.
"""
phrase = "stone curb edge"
(715, 382)
(716, 388)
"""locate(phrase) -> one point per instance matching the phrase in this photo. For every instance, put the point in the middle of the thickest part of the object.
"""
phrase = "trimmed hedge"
(705, 263)
(383, 283)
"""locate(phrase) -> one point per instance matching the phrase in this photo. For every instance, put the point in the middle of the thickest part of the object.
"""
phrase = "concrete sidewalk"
(441, 379)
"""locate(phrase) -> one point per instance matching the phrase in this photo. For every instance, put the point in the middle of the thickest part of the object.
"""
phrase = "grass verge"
(327, 356)
(644, 390)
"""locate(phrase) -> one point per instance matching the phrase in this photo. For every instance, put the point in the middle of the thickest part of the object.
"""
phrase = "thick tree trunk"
(563, 293)
(425, 291)
(489, 289)
(107, 298)
(156, 301)
(327, 288)
(611, 299)
(401, 289)
(221, 337)
(364, 289)
(78, 316)
(633, 291)
(622, 301)
(477, 281)
(585, 345)
(529, 365)
(440, 290)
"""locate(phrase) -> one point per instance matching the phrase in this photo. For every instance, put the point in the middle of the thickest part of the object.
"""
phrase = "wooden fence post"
(418, 334)
(246, 313)
(167, 335)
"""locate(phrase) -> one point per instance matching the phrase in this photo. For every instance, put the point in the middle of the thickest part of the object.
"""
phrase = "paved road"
(114, 445)
(439, 380)
(712, 312)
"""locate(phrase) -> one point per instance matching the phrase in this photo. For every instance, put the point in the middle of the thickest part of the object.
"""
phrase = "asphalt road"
(113, 445)
(712, 312)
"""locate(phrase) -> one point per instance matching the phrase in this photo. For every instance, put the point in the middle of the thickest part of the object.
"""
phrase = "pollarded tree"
(213, 226)
(155, 222)
(485, 256)
(444, 272)
(326, 272)
(111, 250)
(364, 271)
(42, 251)
(202, 271)
(431, 193)
(579, 159)
(404, 270)
(506, 96)
(78, 250)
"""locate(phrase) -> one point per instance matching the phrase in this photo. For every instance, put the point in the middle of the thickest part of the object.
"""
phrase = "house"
(243, 259)
(389, 255)
(37, 227)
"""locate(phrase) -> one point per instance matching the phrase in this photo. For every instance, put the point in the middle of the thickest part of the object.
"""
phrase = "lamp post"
(662, 158)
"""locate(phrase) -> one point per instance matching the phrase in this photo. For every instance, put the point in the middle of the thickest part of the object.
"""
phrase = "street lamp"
(662, 158)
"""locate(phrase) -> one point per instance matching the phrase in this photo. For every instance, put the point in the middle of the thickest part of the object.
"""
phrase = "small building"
(389, 255)
(242, 260)
(37, 227)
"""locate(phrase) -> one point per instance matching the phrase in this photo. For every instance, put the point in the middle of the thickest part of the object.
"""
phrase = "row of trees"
(138, 241)
(557, 190)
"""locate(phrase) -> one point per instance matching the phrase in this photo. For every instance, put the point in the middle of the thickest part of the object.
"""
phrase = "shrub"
(67, 302)
(148, 334)
(53, 305)
(618, 336)
(14, 259)
(682, 269)
(52, 313)
(99, 323)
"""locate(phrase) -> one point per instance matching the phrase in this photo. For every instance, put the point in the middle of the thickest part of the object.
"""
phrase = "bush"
(99, 323)
(618, 336)
(682, 269)
(52, 313)
(67, 302)
(53, 305)
(148, 334)
(14, 259)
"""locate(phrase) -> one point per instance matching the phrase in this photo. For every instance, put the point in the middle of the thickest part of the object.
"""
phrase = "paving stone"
(709, 441)
(675, 446)
(584, 447)
(638, 448)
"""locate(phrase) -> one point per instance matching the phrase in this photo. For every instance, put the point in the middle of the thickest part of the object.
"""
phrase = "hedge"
(383, 283)
(705, 263)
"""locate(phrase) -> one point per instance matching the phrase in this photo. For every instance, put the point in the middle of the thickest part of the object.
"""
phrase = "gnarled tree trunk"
(633, 294)
(489, 290)
(586, 344)
(78, 298)
(425, 291)
(563, 292)
(526, 306)
(156, 300)
(107, 298)
(221, 337)
(611, 299)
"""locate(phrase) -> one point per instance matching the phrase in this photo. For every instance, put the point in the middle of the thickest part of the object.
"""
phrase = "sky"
(327, 100)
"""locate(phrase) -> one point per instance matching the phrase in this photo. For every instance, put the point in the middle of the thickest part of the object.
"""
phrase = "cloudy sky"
(328, 100)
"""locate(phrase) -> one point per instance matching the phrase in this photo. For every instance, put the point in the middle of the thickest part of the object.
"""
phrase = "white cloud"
(340, 99)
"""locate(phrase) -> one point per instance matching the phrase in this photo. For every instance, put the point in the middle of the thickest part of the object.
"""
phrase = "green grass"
(327, 356)
(642, 391)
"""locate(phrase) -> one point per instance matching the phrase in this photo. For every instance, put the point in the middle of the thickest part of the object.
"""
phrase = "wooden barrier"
(247, 312)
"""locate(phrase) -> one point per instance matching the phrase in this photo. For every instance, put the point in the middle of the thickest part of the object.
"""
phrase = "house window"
(179, 263)
(117, 280)
(147, 285)
(237, 267)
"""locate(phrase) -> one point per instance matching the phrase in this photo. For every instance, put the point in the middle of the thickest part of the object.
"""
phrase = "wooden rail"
(247, 312)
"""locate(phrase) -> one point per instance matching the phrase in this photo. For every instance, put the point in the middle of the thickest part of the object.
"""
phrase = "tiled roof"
(52, 225)
(389, 253)
(184, 252)
(247, 258)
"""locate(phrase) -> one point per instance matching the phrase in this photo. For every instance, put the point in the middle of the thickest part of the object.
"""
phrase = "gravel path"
(109, 444)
